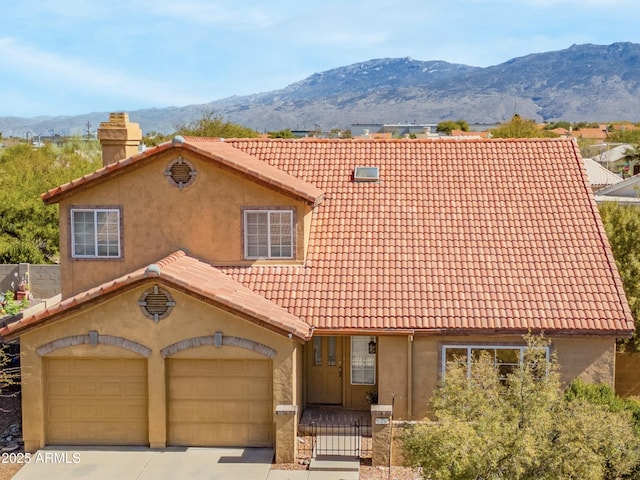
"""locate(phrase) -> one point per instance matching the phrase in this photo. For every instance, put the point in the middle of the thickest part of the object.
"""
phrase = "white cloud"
(51, 70)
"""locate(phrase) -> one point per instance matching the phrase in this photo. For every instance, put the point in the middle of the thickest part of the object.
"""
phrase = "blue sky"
(68, 57)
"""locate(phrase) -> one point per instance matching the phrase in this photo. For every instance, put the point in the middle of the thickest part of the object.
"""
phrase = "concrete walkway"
(138, 463)
(131, 463)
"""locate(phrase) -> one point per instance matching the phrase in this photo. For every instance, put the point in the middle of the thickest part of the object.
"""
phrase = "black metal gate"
(335, 438)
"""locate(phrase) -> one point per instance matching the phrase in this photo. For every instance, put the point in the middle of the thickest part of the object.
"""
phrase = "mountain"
(581, 83)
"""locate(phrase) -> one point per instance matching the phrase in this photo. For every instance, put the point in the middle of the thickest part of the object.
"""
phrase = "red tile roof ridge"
(178, 270)
(52, 195)
(219, 151)
(376, 140)
(604, 241)
(245, 163)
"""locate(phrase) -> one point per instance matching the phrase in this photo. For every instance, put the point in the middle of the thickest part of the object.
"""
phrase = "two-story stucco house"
(206, 282)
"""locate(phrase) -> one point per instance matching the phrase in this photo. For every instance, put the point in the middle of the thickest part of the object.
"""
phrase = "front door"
(324, 360)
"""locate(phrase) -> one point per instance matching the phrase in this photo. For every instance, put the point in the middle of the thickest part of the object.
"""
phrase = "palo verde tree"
(519, 127)
(9, 371)
(449, 125)
(213, 125)
(490, 425)
(622, 224)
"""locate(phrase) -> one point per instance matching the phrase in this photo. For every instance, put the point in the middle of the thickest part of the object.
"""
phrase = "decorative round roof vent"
(180, 173)
(156, 303)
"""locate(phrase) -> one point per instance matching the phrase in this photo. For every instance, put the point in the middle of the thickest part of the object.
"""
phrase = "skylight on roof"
(366, 174)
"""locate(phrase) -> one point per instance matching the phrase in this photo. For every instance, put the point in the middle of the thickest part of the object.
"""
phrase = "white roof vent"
(366, 174)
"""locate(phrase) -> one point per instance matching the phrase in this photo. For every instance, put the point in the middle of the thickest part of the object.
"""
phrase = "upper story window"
(268, 233)
(95, 233)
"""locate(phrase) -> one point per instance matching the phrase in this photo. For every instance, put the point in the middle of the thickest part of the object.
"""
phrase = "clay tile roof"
(214, 150)
(468, 235)
(189, 275)
(241, 162)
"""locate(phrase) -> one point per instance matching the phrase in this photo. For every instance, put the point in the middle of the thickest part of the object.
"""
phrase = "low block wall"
(44, 280)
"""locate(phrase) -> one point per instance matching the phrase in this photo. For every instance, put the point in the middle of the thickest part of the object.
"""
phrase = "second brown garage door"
(215, 403)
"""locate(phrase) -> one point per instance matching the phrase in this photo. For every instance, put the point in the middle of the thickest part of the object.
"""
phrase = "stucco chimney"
(119, 138)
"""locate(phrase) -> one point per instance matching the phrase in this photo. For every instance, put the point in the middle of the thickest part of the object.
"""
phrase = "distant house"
(390, 130)
(625, 192)
(470, 134)
(213, 290)
(599, 177)
(599, 133)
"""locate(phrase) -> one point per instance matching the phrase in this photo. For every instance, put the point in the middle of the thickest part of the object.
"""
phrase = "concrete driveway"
(137, 463)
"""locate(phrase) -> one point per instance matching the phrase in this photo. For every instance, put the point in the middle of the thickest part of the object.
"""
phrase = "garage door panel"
(95, 401)
(220, 402)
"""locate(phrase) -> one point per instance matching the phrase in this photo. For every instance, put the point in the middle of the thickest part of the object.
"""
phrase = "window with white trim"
(505, 357)
(95, 233)
(268, 234)
(363, 361)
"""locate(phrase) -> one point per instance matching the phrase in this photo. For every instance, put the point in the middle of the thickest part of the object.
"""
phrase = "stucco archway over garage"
(103, 371)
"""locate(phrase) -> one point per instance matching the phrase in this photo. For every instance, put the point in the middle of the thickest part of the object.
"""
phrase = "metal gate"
(335, 438)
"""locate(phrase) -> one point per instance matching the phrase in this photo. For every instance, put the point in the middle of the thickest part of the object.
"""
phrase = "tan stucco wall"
(590, 358)
(122, 317)
(158, 218)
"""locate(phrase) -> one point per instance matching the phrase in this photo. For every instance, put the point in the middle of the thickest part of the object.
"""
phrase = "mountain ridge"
(581, 83)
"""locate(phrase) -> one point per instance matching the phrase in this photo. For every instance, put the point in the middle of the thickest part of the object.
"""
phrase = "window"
(505, 357)
(317, 351)
(268, 234)
(363, 363)
(95, 233)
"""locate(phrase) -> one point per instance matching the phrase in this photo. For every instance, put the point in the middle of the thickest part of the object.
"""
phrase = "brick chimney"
(119, 138)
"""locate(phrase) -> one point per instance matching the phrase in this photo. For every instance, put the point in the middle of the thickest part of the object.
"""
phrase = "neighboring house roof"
(599, 133)
(462, 133)
(217, 152)
(191, 276)
(456, 237)
(613, 154)
(600, 177)
(625, 191)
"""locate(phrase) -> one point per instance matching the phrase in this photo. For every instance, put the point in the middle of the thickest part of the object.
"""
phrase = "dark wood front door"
(325, 364)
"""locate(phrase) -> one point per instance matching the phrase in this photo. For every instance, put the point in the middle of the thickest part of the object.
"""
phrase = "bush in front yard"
(520, 427)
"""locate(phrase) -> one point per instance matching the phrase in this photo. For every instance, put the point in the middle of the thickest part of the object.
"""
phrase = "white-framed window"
(95, 233)
(268, 234)
(505, 357)
(363, 360)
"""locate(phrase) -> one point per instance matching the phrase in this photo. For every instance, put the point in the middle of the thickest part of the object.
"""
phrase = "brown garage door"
(96, 401)
(214, 403)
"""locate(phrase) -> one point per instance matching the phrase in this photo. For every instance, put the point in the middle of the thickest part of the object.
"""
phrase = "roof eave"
(38, 320)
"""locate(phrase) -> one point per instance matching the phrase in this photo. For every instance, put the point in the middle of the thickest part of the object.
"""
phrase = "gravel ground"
(367, 472)
(383, 473)
(8, 470)
(9, 414)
